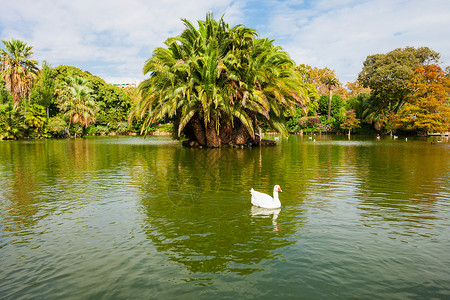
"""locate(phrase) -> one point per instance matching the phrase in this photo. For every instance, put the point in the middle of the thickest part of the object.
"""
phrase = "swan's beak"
(279, 189)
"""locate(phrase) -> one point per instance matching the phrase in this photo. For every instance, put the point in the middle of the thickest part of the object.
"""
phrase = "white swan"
(264, 200)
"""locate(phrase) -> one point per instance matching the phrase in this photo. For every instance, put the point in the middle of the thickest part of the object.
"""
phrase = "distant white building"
(128, 84)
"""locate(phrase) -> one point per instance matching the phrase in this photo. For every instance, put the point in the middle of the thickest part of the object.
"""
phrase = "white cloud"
(115, 35)
(341, 34)
(113, 38)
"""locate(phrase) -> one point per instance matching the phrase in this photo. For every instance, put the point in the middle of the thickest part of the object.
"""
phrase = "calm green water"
(127, 217)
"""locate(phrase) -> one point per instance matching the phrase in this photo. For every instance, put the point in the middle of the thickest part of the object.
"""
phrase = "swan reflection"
(261, 212)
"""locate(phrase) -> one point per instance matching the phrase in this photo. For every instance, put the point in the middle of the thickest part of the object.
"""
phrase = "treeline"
(66, 101)
(61, 102)
(404, 90)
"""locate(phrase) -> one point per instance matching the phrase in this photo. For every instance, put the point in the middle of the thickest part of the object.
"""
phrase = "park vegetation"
(220, 85)
(216, 85)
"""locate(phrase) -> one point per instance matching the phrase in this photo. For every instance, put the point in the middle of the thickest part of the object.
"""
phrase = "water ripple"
(120, 217)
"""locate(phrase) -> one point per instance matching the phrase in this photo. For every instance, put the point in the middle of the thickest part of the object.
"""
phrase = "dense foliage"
(350, 121)
(76, 101)
(397, 91)
(59, 98)
(427, 109)
(219, 85)
(388, 75)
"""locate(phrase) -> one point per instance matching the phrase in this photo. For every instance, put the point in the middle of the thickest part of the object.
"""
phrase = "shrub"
(11, 123)
(57, 127)
(36, 121)
(97, 130)
(122, 127)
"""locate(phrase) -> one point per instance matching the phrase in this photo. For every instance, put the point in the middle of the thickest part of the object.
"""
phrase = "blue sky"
(113, 38)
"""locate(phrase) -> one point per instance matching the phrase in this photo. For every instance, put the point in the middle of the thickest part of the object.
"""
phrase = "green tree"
(388, 75)
(5, 96)
(335, 109)
(220, 84)
(113, 102)
(35, 120)
(57, 127)
(11, 122)
(44, 89)
(76, 102)
(17, 68)
(357, 103)
(355, 89)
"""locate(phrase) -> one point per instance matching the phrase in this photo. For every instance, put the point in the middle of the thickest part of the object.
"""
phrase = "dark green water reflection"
(128, 217)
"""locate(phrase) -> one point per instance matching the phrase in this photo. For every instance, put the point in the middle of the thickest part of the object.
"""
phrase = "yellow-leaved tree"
(427, 109)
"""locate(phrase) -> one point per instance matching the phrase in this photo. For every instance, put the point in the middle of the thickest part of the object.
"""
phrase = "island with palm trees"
(215, 85)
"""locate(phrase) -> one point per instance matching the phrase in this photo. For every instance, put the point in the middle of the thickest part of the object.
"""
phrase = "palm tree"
(331, 83)
(76, 101)
(218, 84)
(11, 123)
(18, 69)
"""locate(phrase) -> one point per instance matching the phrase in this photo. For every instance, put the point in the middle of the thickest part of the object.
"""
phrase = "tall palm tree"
(219, 83)
(331, 83)
(18, 69)
(76, 101)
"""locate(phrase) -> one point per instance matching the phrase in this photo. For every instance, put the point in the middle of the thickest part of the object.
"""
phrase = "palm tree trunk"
(226, 133)
(212, 138)
(241, 135)
(68, 128)
(330, 97)
(260, 136)
(199, 131)
(15, 100)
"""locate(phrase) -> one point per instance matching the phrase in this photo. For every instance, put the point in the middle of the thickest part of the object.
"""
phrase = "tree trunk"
(207, 136)
(226, 133)
(199, 131)
(68, 127)
(330, 97)
(16, 100)
(260, 136)
(212, 138)
(241, 135)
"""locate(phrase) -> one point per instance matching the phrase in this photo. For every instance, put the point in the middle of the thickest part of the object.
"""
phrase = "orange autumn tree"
(427, 109)
(350, 121)
(389, 121)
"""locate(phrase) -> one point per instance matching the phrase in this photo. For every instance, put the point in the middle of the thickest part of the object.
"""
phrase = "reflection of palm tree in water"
(186, 188)
(202, 222)
(180, 192)
(214, 238)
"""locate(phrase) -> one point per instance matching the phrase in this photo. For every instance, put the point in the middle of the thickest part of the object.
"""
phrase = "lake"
(128, 217)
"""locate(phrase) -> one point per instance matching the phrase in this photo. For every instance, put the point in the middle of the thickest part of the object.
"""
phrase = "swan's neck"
(275, 195)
